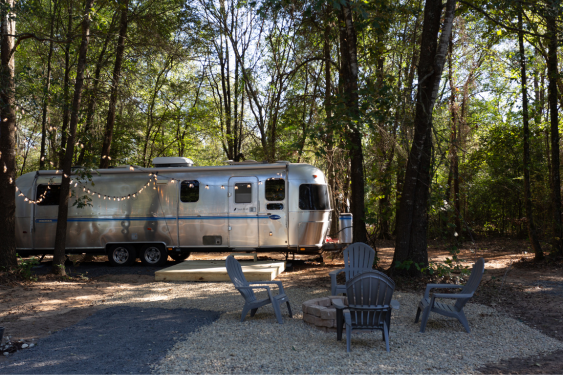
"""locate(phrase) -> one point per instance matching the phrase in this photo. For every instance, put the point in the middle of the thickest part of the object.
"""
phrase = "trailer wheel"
(121, 255)
(179, 256)
(154, 255)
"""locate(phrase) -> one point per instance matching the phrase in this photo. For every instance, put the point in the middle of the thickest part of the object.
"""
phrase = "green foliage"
(25, 266)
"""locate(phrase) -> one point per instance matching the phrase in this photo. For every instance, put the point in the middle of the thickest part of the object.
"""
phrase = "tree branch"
(22, 37)
(490, 18)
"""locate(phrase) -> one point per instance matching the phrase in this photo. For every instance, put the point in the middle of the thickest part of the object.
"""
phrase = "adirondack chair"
(369, 306)
(246, 289)
(358, 258)
(429, 304)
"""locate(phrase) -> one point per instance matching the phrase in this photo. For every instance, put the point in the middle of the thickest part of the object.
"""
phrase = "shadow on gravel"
(96, 269)
(114, 340)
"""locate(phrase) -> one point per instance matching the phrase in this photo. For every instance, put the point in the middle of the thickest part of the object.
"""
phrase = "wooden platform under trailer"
(215, 270)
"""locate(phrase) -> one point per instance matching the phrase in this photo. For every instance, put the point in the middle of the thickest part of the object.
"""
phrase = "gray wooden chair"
(369, 306)
(429, 304)
(358, 258)
(246, 289)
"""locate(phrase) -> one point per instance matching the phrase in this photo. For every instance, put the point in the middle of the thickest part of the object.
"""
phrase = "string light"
(94, 193)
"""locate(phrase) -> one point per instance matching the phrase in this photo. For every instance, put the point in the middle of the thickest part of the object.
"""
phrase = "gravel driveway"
(119, 339)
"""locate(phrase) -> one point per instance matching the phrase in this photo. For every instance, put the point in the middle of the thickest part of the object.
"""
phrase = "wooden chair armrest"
(455, 296)
(338, 304)
(255, 287)
(435, 286)
(336, 272)
(278, 283)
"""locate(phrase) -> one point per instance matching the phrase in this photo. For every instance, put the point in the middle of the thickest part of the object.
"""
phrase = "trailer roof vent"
(174, 161)
(245, 162)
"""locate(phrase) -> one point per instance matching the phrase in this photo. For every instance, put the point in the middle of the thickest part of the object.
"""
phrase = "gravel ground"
(120, 339)
(260, 345)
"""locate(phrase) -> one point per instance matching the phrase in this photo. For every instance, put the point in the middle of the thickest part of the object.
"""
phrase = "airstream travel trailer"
(175, 208)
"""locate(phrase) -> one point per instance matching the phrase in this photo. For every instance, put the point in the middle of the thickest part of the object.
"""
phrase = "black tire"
(121, 255)
(178, 257)
(154, 255)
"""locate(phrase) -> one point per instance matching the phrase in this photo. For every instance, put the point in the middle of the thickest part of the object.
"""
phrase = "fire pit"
(321, 313)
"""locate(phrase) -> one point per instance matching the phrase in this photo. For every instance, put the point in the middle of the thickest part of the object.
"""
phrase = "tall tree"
(106, 147)
(532, 233)
(60, 236)
(552, 13)
(412, 220)
(46, 95)
(349, 80)
(7, 136)
(66, 87)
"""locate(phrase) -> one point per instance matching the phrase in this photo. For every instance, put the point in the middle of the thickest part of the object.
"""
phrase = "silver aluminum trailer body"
(242, 206)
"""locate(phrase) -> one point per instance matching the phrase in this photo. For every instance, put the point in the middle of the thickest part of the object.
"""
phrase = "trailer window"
(275, 189)
(189, 191)
(243, 193)
(313, 197)
(49, 193)
(274, 206)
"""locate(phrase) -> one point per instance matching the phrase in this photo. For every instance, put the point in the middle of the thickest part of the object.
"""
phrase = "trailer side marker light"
(170, 249)
(314, 176)
(149, 228)
(302, 249)
(207, 187)
(222, 187)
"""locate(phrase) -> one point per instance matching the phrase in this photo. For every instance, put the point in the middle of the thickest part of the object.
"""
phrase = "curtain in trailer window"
(313, 197)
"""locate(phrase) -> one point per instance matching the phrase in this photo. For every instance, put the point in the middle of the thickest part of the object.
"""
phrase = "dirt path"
(532, 294)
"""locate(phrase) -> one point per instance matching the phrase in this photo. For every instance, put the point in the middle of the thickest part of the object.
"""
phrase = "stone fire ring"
(321, 313)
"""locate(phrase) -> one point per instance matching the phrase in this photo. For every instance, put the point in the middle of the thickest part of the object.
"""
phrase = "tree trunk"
(349, 75)
(60, 236)
(45, 110)
(454, 144)
(66, 89)
(553, 73)
(7, 138)
(94, 96)
(412, 221)
(329, 135)
(106, 147)
(527, 191)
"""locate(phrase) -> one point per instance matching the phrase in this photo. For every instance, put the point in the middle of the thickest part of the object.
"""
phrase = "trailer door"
(243, 212)
(46, 213)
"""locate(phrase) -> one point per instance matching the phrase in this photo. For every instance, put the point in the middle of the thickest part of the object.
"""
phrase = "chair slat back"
(358, 258)
(472, 283)
(369, 297)
(236, 275)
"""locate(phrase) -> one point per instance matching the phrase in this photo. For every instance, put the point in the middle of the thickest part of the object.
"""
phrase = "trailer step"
(246, 254)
